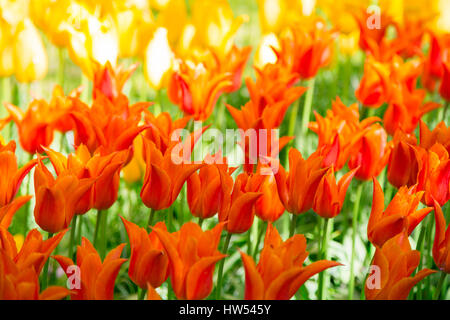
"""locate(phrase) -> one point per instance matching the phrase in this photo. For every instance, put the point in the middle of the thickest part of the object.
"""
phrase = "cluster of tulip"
(110, 149)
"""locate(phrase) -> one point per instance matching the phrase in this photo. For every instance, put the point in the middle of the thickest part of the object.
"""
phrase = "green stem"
(262, 229)
(222, 262)
(293, 225)
(97, 228)
(151, 217)
(170, 219)
(307, 112)
(420, 247)
(355, 219)
(200, 221)
(141, 294)
(444, 113)
(323, 280)
(72, 236)
(45, 275)
(439, 286)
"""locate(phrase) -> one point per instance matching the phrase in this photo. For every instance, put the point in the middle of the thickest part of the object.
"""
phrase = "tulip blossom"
(375, 87)
(393, 265)
(23, 283)
(406, 109)
(444, 88)
(57, 198)
(149, 261)
(237, 209)
(104, 169)
(163, 178)
(371, 155)
(269, 207)
(307, 49)
(404, 161)
(401, 215)
(372, 26)
(97, 277)
(330, 195)
(30, 57)
(192, 256)
(434, 175)
(12, 178)
(110, 81)
(280, 272)
(34, 251)
(433, 64)
(441, 246)
(195, 89)
(110, 124)
(440, 134)
(297, 188)
(340, 132)
(204, 190)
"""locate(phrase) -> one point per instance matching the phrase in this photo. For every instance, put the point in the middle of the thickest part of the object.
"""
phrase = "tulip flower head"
(401, 215)
(280, 272)
(393, 265)
(441, 246)
(12, 178)
(149, 261)
(96, 277)
(192, 256)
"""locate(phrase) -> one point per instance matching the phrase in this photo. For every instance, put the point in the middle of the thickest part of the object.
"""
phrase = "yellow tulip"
(134, 28)
(92, 40)
(215, 25)
(442, 23)
(6, 50)
(30, 57)
(135, 170)
(158, 59)
(173, 17)
(264, 53)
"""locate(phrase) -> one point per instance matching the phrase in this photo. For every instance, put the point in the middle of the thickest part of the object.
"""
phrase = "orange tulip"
(34, 252)
(204, 190)
(163, 178)
(440, 134)
(23, 284)
(280, 272)
(406, 109)
(161, 128)
(434, 175)
(306, 49)
(192, 254)
(393, 265)
(371, 155)
(375, 86)
(401, 215)
(297, 188)
(238, 206)
(433, 64)
(108, 125)
(148, 262)
(35, 126)
(269, 207)
(339, 132)
(104, 169)
(57, 199)
(110, 82)
(441, 246)
(12, 178)
(371, 37)
(444, 88)
(404, 161)
(330, 195)
(195, 89)
(96, 277)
